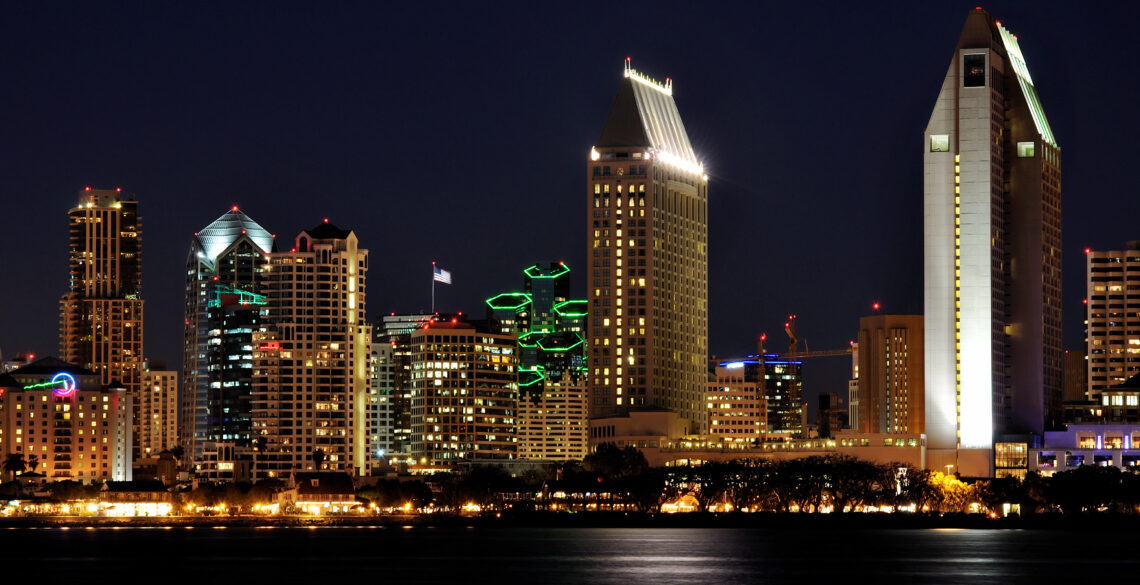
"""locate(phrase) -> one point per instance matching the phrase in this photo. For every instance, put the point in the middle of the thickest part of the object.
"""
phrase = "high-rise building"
(311, 358)
(63, 418)
(222, 312)
(1112, 334)
(891, 379)
(736, 402)
(992, 212)
(552, 419)
(853, 408)
(158, 408)
(1076, 376)
(830, 415)
(464, 393)
(391, 393)
(783, 391)
(101, 316)
(647, 240)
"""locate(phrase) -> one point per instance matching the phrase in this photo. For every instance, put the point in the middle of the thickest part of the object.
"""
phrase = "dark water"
(660, 556)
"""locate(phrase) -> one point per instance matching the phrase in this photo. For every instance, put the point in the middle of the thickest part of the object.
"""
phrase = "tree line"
(619, 478)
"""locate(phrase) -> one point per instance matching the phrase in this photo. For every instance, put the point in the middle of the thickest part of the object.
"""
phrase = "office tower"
(101, 316)
(992, 212)
(158, 409)
(830, 414)
(891, 378)
(647, 223)
(552, 404)
(1113, 317)
(736, 402)
(311, 357)
(391, 393)
(464, 393)
(1076, 376)
(853, 410)
(74, 426)
(222, 311)
(783, 391)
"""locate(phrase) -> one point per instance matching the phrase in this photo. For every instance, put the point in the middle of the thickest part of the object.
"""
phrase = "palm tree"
(318, 457)
(15, 464)
(259, 445)
(33, 462)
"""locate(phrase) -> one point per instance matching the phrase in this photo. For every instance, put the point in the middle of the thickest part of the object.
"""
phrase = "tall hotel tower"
(992, 212)
(101, 316)
(223, 306)
(311, 357)
(647, 210)
(1112, 333)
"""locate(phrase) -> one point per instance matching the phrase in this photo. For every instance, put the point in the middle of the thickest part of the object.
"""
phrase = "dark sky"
(459, 132)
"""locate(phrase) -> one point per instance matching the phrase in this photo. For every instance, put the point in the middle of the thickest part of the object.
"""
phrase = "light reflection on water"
(629, 556)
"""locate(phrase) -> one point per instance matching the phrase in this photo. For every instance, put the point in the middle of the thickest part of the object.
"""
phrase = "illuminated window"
(939, 143)
(974, 70)
(1025, 149)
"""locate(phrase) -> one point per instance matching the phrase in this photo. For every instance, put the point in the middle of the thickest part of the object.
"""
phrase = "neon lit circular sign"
(68, 382)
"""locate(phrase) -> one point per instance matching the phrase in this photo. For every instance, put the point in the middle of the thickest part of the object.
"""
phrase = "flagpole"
(433, 287)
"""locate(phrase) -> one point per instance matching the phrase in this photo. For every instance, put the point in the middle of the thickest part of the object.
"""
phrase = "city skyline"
(758, 211)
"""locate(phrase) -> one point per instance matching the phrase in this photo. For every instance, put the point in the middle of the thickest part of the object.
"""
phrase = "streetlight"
(949, 466)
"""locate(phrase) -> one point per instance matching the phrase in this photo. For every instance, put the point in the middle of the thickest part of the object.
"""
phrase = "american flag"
(440, 275)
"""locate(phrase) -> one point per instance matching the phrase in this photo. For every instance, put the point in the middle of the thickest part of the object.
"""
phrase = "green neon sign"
(535, 271)
(573, 308)
(512, 301)
(558, 349)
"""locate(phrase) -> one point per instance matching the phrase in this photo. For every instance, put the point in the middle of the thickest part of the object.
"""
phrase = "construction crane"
(793, 342)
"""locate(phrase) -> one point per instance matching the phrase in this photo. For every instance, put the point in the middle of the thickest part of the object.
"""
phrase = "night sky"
(460, 133)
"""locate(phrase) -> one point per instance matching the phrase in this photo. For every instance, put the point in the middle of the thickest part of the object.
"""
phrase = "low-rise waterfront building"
(59, 415)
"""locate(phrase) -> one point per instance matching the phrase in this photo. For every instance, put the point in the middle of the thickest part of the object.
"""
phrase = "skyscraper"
(158, 408)
(1113, 321)
(992, 210)
(647, 240)
(101, 316)
(391, 392)
(464, 393)
(552, 410)
(311, 357)
(222, 311)
(891, 380)
(783, 391)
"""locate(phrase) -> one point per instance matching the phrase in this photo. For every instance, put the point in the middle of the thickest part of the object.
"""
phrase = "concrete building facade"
(101, 315)
(647, 241)
(992, 277)
(311, 371)
(891, 382)
(158, 407)
(464, 398)
(391, 394)
(1112, 330)
(736, 402)
(61, 415)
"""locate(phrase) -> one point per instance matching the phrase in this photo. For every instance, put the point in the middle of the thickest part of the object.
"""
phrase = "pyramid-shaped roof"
(328, 231)
(51, 365)
(981, 31)
(227, 229)
(644, 115)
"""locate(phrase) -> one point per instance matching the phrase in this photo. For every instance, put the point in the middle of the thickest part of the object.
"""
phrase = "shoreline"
(598, 520)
